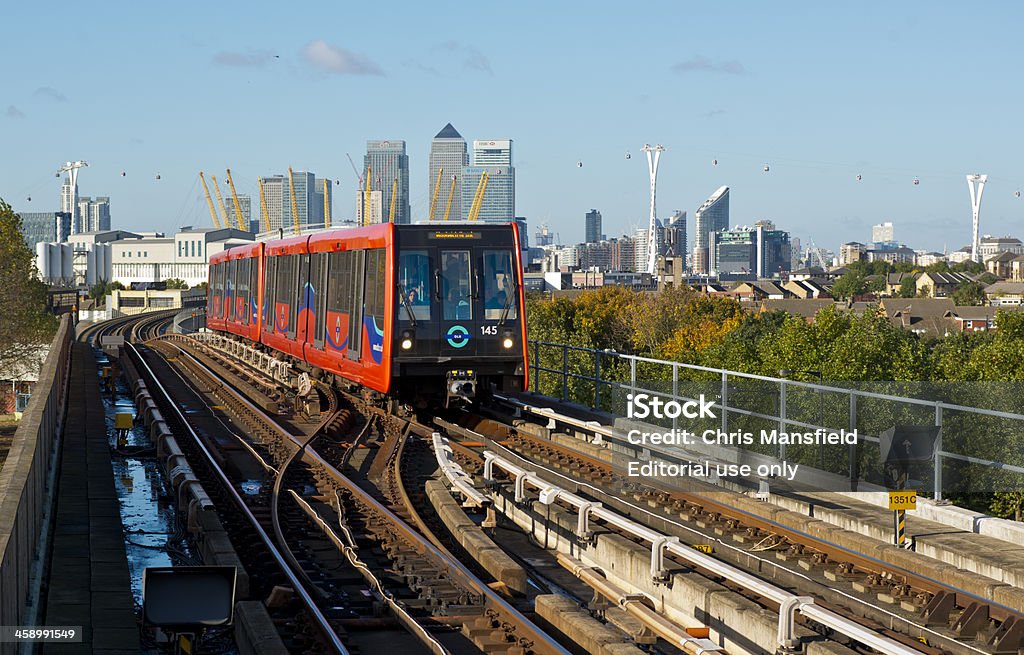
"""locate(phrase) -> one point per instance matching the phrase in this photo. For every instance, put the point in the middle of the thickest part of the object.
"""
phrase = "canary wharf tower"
(448, 156)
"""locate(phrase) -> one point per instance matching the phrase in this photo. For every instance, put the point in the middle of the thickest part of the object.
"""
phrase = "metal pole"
(565, 372)
(782, 418)
(675, 392)
(725, 401)
(937, 475)
(597, 379)
(853, 446)
(900, 516)
(536, 367)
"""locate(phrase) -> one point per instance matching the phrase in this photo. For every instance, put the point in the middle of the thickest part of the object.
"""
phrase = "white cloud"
(14, 112)
(51, 93)
(334, 59)
(252, 59)
(704, 64)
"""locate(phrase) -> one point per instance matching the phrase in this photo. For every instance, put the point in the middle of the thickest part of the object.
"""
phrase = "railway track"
(919, 612)
(379, 514)
(422, 590)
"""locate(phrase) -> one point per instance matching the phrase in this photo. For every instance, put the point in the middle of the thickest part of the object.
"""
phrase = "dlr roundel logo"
(457, 336)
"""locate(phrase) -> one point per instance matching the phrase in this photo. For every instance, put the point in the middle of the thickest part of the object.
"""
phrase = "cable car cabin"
(233, 293)
(459, 327)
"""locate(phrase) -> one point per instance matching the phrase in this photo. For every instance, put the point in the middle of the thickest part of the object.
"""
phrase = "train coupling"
(461, 385)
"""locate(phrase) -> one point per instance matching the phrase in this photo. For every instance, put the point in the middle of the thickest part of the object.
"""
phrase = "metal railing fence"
(980, 447)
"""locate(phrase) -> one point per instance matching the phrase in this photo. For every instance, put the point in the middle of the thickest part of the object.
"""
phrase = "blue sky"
(821, 92)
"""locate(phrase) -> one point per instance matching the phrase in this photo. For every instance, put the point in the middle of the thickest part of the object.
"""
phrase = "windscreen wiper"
(508, 303)
(405, 302)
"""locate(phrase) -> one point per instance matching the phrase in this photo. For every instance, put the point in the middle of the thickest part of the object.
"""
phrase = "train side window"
(301, 277)
(254, 286)
(269, 288)
(457, 295)
(242, 291)
(336, 292)
(414, 285)
(499, 284)
(231, 289)
(218, 290)
(357, 268)
(285, 294)
(375, 261)
(319, 293)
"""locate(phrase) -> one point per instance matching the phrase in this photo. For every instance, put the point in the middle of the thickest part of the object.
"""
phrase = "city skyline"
(819, 113)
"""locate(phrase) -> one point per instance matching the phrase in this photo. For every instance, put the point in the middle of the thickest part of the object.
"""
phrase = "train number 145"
(489, 329)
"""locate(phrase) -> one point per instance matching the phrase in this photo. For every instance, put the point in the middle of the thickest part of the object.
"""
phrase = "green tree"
(968, 293)
(908, 287)
(176, 283)
(102, 289)
(968, 266)
(1008, 505)
(25, 325)
(853, 283)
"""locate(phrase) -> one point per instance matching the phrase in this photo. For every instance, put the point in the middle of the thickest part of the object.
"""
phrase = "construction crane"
(209, 201)
(263, 206)
(355, 170)
(295, 204)
(327, 205)
(394, 197)
(220, 202)
(238, 206)
(451, 194)
(366, 197)
(437, 188)
(478, 198)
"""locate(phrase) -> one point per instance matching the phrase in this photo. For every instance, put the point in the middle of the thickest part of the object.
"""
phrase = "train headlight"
(507, 341)
(408, 336)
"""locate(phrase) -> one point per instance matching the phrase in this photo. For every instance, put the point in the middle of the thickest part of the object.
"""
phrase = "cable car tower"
(71, 168)
(976, 184)
(653, 156)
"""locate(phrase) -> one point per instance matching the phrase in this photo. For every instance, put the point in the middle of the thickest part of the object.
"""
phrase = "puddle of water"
(154, 535)
(251, 487)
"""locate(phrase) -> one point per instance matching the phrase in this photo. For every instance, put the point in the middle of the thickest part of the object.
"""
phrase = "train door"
(458, 292)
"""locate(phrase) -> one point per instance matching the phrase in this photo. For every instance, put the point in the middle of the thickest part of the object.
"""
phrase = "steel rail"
(459, 572)
(318, 617)
(787, 601)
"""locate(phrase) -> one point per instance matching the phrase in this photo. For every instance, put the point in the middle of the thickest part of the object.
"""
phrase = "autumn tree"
(25, 325)
(968, 293)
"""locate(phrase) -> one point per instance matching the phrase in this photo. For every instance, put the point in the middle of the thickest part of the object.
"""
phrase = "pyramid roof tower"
(448, 132)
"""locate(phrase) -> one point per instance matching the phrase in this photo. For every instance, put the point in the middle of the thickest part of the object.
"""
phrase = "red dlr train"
(411, 312)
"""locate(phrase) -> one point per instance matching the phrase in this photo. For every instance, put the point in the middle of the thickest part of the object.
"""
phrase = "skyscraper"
(712, 216)
(675, 234)
(499, 200)
(494, 152)
(498, 204)
(448, 156)
(387, 162)
(759, 251)
(45, 227)
(246, 205)
(309, 200)
(93, 215)
(69, 203)
(593, 226)
(882, 233)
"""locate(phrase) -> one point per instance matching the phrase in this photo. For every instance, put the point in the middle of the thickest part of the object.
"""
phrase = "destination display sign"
(454, 234)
